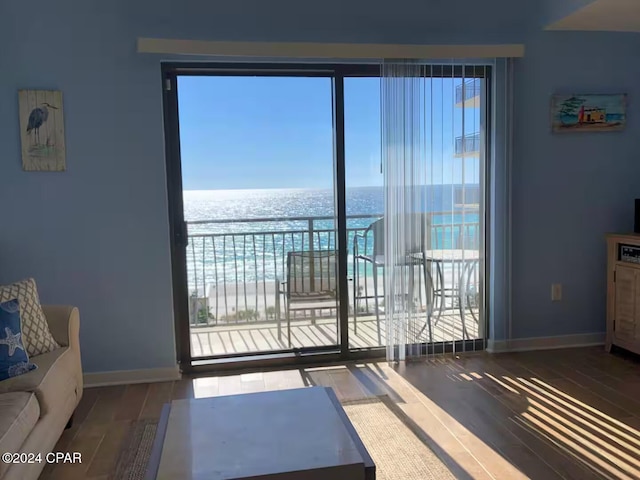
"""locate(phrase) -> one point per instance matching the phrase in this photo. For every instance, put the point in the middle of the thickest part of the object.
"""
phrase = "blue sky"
(276, 132)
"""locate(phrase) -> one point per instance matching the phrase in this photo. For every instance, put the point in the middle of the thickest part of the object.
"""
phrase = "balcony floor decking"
(259, 337)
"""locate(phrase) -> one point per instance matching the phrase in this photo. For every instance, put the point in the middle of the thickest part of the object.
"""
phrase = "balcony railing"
(467, 90)
(467, 145)
(233, 265)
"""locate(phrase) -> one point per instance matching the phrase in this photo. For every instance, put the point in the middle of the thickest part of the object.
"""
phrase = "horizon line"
(313, 188)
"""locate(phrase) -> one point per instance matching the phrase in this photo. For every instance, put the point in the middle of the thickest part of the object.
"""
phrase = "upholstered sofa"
(36, 407)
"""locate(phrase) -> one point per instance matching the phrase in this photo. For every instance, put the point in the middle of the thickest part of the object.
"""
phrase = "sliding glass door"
(435, 141)
(434, 131)
(277, 209)
(259, 204)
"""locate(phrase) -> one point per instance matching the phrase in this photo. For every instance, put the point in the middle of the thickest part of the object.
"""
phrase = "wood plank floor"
(248, 338)
(547, 415)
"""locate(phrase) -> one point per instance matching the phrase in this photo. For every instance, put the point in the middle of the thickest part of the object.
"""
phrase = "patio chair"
(311, 284)
(373, 252)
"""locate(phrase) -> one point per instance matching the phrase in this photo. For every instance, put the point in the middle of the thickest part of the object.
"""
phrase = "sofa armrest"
(64, 323)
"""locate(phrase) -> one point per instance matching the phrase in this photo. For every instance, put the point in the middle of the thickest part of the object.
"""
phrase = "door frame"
(178, 234)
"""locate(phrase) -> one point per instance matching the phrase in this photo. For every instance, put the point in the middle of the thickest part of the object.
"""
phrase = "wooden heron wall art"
(42, 130)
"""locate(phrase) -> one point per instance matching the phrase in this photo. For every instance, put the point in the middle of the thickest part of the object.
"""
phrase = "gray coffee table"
(301, 434)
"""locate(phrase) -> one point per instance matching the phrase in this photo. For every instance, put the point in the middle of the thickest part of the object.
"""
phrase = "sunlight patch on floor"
(599, 441)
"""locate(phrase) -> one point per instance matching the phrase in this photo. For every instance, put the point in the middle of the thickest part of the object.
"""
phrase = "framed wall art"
(42, 130)
(589, 112)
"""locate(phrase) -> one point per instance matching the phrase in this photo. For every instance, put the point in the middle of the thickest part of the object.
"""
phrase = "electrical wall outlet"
(556, 292)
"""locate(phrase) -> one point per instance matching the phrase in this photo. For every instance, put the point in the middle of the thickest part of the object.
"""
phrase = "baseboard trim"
(125, 377)
(545, 343)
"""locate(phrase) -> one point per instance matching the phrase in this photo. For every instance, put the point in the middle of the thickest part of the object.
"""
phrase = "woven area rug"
(390, 437)
(135, 451)
(393, 443)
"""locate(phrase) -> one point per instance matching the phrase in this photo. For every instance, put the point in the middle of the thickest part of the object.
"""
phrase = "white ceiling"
(603, 15)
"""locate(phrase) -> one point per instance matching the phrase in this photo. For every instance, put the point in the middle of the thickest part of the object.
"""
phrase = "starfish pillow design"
(11, 341)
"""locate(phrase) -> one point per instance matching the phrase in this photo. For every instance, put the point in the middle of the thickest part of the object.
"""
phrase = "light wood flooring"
(571, 413)
(248, 338)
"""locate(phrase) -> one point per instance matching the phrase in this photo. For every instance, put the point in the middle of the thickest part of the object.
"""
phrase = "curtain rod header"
(326, 50)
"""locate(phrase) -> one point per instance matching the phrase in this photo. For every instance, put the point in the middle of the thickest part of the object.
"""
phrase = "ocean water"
(240, 236)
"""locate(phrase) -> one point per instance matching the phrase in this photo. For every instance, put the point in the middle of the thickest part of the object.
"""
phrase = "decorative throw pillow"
(13, 357)
(36, 336)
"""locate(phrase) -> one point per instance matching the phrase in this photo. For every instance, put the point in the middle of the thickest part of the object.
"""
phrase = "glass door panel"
(365, 211)
(454, 200)
(446, 296)
(258, 171)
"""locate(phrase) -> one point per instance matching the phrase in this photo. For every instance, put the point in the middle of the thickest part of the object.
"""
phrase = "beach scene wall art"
(42, 130)
(589, 112)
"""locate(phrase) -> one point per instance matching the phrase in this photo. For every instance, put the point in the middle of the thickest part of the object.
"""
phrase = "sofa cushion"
(36, 335)
(13, 357)
(52, 381)
(19, 412)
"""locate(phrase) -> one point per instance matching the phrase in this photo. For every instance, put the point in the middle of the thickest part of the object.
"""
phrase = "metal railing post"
(312, 264)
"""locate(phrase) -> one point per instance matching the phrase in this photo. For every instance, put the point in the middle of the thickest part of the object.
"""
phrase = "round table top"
(452, 255)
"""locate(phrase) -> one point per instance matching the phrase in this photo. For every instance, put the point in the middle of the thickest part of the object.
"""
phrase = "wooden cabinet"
(623, 295)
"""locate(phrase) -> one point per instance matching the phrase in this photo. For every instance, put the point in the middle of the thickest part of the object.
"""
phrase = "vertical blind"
(433, 153)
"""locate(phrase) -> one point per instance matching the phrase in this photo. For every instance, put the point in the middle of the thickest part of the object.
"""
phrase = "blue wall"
(96, 236)
(570, 189)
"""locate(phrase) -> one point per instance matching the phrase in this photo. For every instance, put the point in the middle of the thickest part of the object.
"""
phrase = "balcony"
(234, 267)
(467, 145)
(468, 94)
